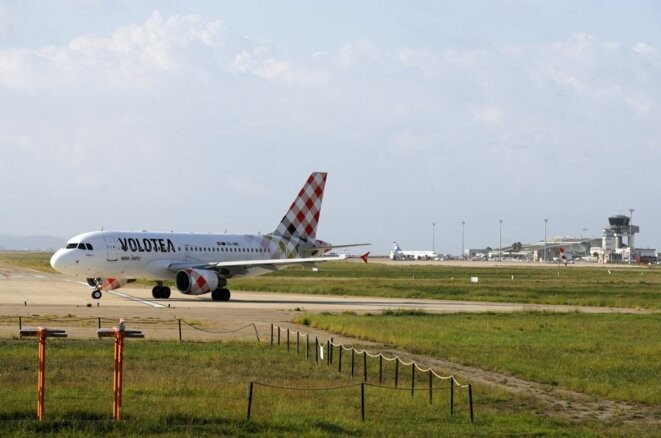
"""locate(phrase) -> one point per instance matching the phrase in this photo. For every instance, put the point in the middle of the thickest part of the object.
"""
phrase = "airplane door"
(111, 244)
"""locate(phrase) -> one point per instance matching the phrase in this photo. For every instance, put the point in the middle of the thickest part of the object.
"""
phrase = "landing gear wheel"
(96, 294)
(215, 295)
(162, 292)
(224, 294)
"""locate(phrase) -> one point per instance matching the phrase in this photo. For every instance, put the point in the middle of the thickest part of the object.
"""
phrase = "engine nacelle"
(196, 281)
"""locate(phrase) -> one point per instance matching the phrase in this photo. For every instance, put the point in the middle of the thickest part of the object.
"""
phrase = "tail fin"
(396, 247)
(302, 217)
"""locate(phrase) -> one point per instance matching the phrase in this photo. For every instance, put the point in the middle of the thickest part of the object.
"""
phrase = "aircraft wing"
(253, 267)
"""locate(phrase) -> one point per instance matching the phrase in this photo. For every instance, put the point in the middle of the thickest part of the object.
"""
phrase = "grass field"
(619, 286)
(614, 356)
(201, 388)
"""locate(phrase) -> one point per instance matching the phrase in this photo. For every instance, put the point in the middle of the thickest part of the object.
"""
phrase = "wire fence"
(370, 368)
(325, 352)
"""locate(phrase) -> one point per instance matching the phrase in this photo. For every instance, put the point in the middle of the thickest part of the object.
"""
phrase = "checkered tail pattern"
(302, 217)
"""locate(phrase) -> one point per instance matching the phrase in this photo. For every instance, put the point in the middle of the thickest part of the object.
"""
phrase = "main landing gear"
(160, 291)
(220, 294)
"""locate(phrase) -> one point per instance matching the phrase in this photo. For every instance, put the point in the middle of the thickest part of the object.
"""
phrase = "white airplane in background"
(399, 254)
(199, 263)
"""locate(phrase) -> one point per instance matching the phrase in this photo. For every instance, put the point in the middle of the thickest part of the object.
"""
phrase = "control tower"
(619, 227)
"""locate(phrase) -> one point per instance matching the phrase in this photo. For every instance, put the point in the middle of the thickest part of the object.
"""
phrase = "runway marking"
(129, 297)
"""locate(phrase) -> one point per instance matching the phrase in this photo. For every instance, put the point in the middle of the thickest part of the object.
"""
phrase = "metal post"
(250, 399)
(396, 372)
(316, 349)
(179, 330)
(362, 401)
(271, 335)
(328, 352)
(98, 322)
(451, 395)
(430, 387)
(380, 368)
(41, 376)
(307, 346)
(298, 341)
(278, 336)
(339, 362)
(412, 379)
(287, 339)
(365, 366)
(470, 400)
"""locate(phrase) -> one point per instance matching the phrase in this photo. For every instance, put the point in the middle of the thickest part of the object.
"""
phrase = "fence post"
(380, 368)
(470, 399)
(278, 336)
(287, 339)
(362, 401)
(396, 371)
(430, 386)
(339, 362)
(271, 335)
(298, 348)
(98, 322)
(179, 329)
(250, 399)
(365, 365)
(412, 379)
(20, 327)
(316, 349)
(328, 352)
(307, 346)
(451, 395)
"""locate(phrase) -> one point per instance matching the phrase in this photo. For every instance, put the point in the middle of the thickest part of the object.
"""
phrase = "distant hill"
(30, 243)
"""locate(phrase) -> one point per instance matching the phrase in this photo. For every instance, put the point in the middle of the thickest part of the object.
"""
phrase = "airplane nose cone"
(56, 260)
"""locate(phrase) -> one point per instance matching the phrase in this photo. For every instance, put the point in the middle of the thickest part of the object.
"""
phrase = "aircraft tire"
(224, 294)
(156, 292)
(165, 292)
(216, 295)
(96, 294)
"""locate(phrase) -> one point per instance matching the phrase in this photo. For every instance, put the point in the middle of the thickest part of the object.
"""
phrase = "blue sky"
(208, 116)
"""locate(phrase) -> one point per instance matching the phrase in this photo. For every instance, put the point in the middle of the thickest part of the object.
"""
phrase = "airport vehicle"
(199, 263)
(399, 254)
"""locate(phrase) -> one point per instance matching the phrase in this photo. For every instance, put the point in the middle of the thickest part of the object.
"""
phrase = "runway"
(28, 293)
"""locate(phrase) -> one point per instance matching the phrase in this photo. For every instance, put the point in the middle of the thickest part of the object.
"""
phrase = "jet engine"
(196, 281)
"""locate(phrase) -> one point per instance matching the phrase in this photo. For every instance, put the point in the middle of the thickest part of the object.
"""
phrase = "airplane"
(199, 263)
(398, 254)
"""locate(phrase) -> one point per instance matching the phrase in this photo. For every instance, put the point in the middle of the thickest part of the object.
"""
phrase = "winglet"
(364, 256)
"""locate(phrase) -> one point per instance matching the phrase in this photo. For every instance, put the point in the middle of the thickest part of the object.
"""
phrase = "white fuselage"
(150, 255)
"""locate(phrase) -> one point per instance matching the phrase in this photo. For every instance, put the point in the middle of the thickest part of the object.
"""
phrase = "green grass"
(633, 287)
(614, 356)
(39, 261)
(200, 389)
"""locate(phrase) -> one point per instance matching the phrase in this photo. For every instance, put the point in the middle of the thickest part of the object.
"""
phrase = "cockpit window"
(71, 245)
(89, 247)
(81, 246)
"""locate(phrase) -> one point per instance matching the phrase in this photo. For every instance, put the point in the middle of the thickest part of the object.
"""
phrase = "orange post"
(119, 333)
(41, 375)
(42, 333)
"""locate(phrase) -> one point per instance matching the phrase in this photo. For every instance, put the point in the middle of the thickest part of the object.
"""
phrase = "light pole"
(500, 239)
(546, 221)
(463, 247)
(433, 237)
